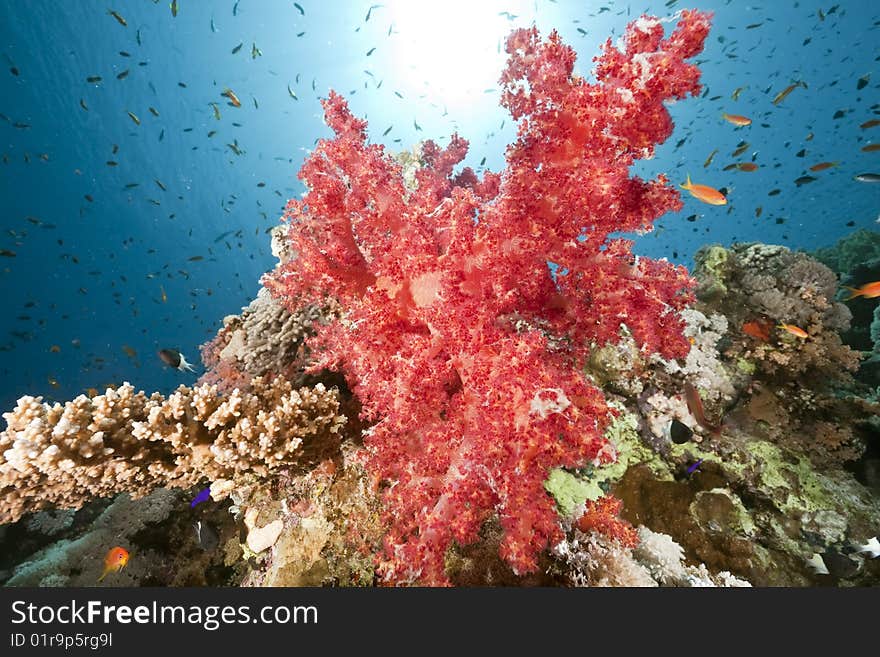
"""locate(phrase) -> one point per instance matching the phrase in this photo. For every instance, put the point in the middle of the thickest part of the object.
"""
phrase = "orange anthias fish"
(232, 97)
(695, 406)
(737, 119)
(758, 329)
(823, 165)
(868, 290)
(704, 193)
(115, 561)
(794, 330)
(746, 166)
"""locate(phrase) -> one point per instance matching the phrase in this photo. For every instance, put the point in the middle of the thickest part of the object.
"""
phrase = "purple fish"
(694, 466)
(203, 496)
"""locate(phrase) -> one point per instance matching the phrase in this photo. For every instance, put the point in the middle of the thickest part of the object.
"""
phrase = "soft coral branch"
(463, 347)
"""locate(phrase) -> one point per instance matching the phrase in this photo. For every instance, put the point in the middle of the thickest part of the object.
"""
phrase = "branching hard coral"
(463, 347)
(123, 441)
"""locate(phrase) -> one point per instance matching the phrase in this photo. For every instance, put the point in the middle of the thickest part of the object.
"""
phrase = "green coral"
(745, 366)
(794, 485)
(571, 490)
(712, 264)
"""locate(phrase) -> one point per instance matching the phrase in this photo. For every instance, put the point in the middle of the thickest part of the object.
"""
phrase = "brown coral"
(125, 441)
(265, 340)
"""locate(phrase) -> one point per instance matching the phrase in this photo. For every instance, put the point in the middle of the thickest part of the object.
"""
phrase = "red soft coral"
(463, 347)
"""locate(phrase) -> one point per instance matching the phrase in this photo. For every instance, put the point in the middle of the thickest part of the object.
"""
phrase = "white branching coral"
(702, 367)
(123, 441)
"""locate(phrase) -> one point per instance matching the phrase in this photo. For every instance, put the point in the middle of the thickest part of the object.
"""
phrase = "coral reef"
(460, 342)
(526, 402)
(791, 380)
(769, 284)
(64, 455)
(856, 259)
(265, 340)
(79, 562)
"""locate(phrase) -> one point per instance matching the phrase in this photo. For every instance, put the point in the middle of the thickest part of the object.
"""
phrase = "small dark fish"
(679, 432)
(298, 6)
(159, 183)
(694, 467)
(387, 130)
(870, 148)
(196, 258)
(237, 48)
(784, 93)
(370, 11)
(134, 118)
(863, 82)
(774, 192)
(867, 177)
(203, 496)
(14, 70)
(255, 52)
(206, 536)
(741, 148)
(182, 85)
(119, 19)
(122, 53)
(371, 51)
(839, 114)
(803, 180)
(710, 158)
(122, 75)
(175, 359)
(153, 111)
(6, 253)
(174, 8)
(94, 79)
(82, 104)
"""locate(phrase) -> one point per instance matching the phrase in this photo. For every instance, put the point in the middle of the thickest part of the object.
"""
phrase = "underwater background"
(97, 240)
(724, 430)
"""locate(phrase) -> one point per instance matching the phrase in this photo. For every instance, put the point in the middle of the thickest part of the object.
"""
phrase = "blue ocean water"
(137, 205)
